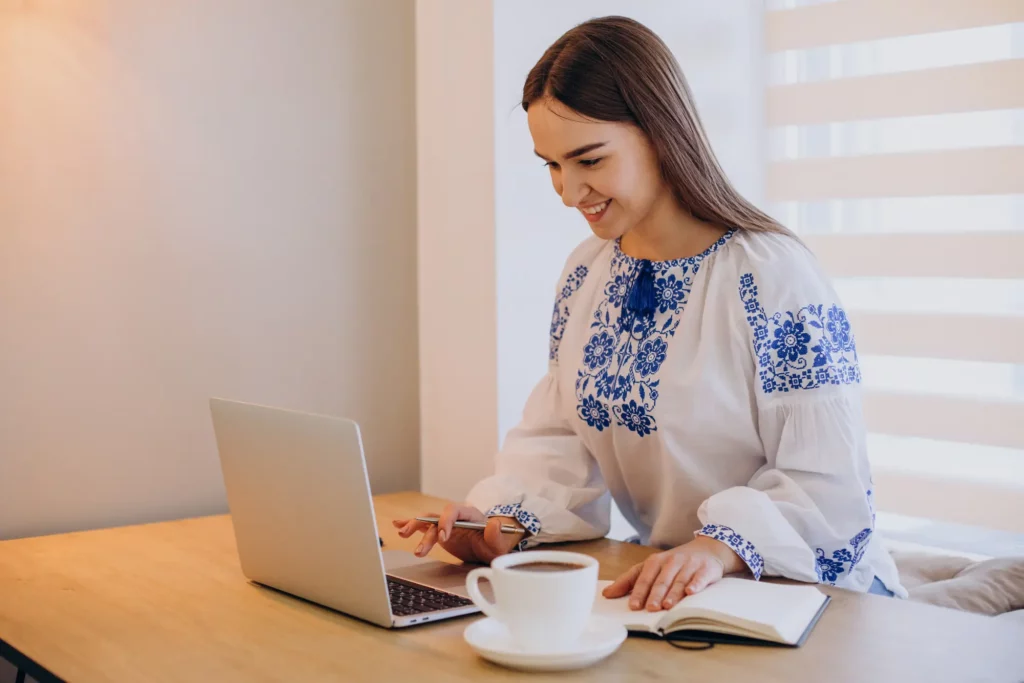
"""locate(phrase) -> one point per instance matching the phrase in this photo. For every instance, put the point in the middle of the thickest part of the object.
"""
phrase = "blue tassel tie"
(641, 295)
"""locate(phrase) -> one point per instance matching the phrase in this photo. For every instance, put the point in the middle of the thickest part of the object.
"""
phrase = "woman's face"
(608, 171)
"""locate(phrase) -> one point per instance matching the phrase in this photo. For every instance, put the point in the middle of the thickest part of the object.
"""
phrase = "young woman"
(702, 372)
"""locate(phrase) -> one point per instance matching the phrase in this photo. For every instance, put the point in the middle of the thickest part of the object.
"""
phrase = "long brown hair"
(617, 69)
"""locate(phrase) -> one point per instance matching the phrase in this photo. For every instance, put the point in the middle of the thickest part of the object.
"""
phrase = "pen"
(477, 526)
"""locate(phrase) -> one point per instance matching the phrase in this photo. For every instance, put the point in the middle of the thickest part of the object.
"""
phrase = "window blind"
(896, 151)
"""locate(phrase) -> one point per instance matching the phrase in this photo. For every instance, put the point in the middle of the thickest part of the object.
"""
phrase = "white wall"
(198, 198)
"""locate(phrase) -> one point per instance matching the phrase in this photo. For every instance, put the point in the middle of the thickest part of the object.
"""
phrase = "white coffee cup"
(544, 611)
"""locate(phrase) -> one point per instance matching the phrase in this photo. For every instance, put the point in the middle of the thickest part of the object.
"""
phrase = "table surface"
(168, 602)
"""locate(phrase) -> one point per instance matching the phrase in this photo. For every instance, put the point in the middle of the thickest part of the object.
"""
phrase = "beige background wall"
(198, 198)
(457, 288)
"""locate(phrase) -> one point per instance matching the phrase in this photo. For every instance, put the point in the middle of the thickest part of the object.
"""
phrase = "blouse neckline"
(686, 260)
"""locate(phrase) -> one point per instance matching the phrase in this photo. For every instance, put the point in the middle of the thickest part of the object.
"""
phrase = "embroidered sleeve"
(745, 549)
(804, 515)
(524, 517)
(842, 560)
(830, 568)
(803, 349)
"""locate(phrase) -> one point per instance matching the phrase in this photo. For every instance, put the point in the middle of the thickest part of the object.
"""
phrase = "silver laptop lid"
(301, 506)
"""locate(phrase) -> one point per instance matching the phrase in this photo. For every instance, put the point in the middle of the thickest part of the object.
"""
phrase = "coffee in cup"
(545, 567)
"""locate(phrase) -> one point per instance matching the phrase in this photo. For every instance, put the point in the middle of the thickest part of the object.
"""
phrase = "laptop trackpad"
(447, 577)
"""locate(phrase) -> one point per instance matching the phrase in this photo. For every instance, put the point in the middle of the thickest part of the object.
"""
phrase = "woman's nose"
(572, 192)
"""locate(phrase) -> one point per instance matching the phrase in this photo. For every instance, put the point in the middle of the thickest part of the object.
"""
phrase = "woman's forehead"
(557, 129)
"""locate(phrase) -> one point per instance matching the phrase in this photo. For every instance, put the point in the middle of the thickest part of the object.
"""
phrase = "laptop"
(304, 520)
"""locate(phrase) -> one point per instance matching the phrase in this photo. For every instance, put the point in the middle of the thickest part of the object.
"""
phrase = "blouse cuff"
(745, 549)
(524, 517)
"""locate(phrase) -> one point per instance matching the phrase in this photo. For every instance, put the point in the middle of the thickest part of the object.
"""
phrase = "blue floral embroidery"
(829, 568)
(524, 517)
(625, 352)
(560, 314)
(745, 549)
(635, 417)
(617, 289)
(594, 413)
(838, 327)
(803, 350)
(651, 356)
(670, 292)
(791, 341)
(598, 351)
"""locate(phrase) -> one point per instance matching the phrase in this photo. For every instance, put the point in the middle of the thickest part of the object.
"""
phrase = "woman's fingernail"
(419, 549)
(443, 535)
(635, 604)
(668, 603)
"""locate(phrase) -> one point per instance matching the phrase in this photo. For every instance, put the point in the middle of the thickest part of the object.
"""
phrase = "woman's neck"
(669, 232)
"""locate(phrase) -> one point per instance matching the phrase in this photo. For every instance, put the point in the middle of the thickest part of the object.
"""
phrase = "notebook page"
(787, 609)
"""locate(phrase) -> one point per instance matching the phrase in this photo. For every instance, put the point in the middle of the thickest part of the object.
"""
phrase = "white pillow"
(990, 587)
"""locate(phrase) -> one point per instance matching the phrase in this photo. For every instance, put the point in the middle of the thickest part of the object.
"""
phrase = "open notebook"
(729, 611)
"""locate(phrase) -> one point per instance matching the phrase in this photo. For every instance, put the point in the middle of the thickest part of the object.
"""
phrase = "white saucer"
(492, 641)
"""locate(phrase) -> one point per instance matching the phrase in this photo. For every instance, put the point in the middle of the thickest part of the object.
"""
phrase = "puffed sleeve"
(807, 513)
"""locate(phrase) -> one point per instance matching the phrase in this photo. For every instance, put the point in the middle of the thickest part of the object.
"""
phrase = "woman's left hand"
(664, 578)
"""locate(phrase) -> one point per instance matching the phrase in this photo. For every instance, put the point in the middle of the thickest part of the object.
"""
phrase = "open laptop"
(304, 520)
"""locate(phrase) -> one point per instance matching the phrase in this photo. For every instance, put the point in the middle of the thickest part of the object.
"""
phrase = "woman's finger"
(446, 522)
(704, 577)
(660, 587)
(429, 539)
(652, 567)
(622, 585)
(688, 569)
(414, 525)
(675, 593)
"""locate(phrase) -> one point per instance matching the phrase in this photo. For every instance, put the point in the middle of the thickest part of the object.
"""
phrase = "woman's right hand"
(466, 544)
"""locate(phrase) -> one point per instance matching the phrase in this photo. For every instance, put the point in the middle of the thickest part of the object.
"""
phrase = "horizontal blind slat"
(953, 500)
(852, 21)
(990, 170)
(953, 89)
(947, 418)
(991, 339)
(995, 255)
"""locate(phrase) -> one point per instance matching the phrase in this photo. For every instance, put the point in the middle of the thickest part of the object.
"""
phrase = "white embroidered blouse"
(730, 410)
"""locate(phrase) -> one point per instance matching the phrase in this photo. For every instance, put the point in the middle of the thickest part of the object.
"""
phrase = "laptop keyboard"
(409, 598)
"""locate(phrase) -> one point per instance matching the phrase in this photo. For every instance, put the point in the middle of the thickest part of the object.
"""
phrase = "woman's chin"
(607, 231)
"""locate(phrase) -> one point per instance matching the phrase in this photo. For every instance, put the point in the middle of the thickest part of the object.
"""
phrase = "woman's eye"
(590, 162)
(551, 165)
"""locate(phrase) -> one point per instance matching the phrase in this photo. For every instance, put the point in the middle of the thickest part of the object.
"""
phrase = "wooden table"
(168, 602)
